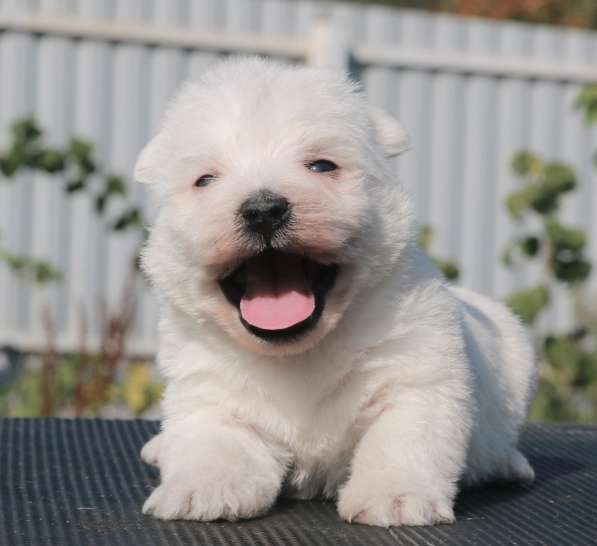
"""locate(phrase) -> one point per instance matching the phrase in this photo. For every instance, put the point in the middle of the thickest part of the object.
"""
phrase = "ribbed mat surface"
(81, 483)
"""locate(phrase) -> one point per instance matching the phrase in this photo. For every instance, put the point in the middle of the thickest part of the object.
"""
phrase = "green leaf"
(39, 270)
(9, 166)
(80, 149)
(75, 185)
(561, 352)
(520, 201)
(527, 246)
(570, 271)
(531, 245)
(449, 269)
(18, 263)
(542, 195)
(575, 366)
(527, 304)
(587, 103)
(586, 370)
(51, 161)
(526, 164)
(130, 218)
(121, 223)
(563, 237)
(45, 272)
(25, 131)
(115, 185)
(558, 178)
(87, 166)
(100, 203)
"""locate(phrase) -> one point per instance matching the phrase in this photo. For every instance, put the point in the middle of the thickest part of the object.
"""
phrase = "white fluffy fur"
(404, 388)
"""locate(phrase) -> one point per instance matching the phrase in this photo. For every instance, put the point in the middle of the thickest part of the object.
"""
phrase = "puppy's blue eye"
(204, 180)
(322, 166)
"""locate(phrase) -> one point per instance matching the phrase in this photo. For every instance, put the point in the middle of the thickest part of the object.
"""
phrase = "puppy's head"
(277, 202)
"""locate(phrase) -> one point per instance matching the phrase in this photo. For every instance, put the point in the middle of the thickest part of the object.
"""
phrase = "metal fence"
(471, 93)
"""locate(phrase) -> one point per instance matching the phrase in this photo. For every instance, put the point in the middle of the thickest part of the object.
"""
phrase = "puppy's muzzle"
(265, 213)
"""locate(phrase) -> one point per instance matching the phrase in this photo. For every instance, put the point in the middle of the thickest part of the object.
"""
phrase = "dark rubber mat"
(81, 483)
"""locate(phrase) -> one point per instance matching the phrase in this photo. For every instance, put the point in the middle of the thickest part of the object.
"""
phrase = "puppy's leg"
(150, 452)
(518, 468)
(407, 464)
(212, 469)
(513, 467)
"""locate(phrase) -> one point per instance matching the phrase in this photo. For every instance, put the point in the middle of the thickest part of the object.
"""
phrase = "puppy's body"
(400, 386)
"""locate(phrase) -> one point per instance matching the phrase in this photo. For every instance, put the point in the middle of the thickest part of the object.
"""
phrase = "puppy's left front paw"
(387, 506)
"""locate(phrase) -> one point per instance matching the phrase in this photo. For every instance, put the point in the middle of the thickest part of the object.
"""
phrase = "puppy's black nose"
(265, 212)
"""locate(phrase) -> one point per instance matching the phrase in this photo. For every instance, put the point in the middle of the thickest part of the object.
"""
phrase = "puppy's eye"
(322, 166)
(204, 180)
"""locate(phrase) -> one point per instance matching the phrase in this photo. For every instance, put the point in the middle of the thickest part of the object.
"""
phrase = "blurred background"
(500, 99)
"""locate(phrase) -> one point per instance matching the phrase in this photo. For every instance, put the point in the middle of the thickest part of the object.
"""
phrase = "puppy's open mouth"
(279, 295)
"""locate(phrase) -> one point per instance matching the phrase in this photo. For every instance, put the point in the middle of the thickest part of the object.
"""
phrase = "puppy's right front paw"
(210, 498)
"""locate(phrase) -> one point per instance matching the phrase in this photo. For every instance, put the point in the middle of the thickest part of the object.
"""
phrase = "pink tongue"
(277, 294)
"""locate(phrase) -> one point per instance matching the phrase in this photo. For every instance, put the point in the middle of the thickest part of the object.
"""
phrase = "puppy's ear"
(150, 165)
(388, 132)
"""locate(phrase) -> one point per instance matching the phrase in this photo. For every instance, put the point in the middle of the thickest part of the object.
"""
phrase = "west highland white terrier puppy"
(310, 347)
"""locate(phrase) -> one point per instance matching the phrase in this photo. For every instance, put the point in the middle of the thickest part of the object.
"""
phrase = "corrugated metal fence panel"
(465, 129)
(18, 54)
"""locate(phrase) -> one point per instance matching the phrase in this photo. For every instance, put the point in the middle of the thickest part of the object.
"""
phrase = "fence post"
(327, 46)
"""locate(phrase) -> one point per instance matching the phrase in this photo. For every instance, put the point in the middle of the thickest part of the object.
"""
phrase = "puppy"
(310, 347)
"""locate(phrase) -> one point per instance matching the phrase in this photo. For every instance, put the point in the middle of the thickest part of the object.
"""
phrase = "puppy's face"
(276, 202)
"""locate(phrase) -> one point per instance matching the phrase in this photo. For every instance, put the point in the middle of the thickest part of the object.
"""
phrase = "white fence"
(470, 92)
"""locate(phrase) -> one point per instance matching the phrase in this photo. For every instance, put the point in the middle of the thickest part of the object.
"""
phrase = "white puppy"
(308, 344)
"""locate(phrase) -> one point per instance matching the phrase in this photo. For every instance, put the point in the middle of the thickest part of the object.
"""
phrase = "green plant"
(85, 383)
(132, 394)
(81, 383)
(568, 378)
(76, 168)
(587, 103)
